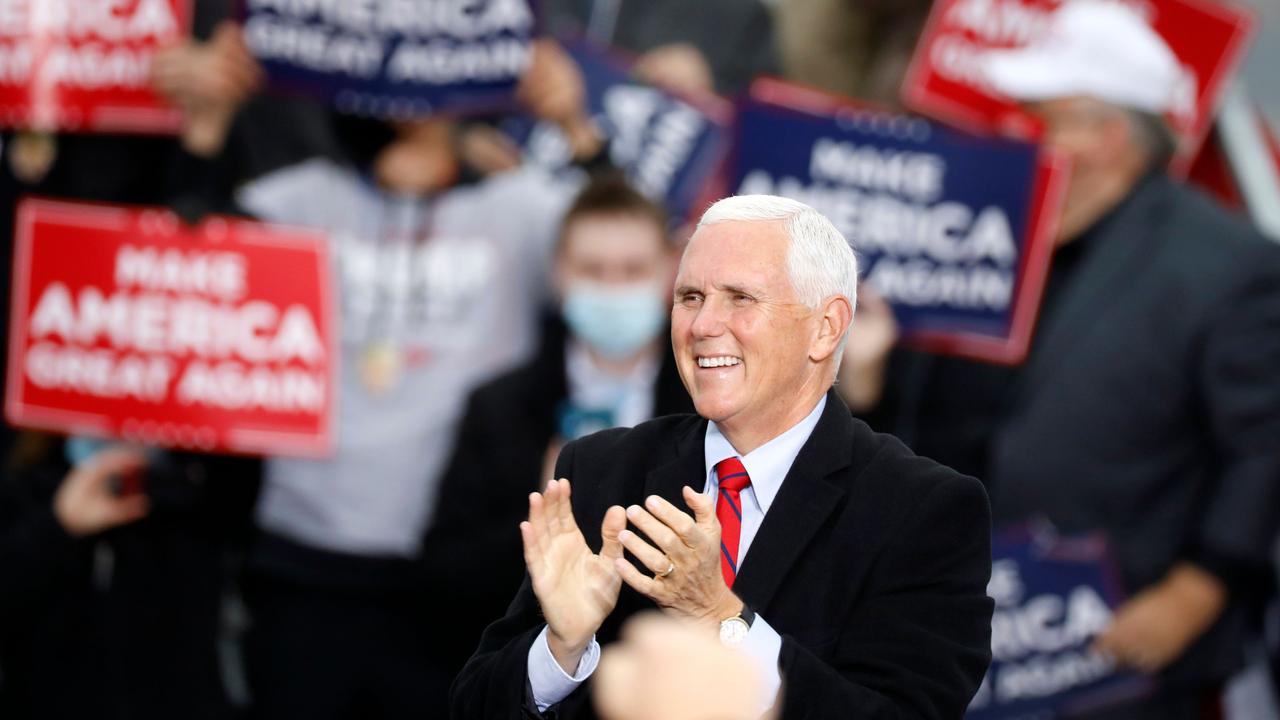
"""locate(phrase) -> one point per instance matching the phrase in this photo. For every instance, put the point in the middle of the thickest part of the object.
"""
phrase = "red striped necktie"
(732, 479)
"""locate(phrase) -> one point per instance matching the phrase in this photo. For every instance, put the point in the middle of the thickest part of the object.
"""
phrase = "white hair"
(820, 262)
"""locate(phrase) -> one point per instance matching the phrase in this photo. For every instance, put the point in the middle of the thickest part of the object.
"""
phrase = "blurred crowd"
(492, 311)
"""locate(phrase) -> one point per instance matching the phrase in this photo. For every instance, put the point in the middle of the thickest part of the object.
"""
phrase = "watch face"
(733, 632)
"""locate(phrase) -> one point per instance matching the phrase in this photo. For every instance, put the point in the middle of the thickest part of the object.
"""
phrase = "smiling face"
(748, 350)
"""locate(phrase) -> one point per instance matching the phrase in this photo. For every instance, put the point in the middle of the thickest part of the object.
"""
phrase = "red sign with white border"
(126, 323)
(1208, 36)
(85, 65)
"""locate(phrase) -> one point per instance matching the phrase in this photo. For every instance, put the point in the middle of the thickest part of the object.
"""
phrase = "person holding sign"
(440, 286)
(1149, 404)
(852, 571)
(84, 504)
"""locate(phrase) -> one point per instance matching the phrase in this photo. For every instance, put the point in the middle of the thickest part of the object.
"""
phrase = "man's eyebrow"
(739, 290)
(686, 289)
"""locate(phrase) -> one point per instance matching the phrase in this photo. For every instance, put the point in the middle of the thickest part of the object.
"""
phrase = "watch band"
(746, 615)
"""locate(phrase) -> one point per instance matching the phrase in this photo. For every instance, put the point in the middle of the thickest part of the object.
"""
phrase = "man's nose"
(710, 319)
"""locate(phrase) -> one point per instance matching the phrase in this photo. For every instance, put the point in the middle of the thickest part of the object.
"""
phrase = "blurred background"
(502, 277)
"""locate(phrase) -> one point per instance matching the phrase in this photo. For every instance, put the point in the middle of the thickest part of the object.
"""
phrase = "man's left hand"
(1157, 625)
(685, 561)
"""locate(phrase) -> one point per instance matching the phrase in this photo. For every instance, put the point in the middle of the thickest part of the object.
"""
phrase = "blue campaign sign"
(670, 147)
(1053, 596)
(952, 228)
(394, 58)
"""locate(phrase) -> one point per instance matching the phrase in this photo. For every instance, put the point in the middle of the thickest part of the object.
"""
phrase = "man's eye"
(742, 299)
(690, 299)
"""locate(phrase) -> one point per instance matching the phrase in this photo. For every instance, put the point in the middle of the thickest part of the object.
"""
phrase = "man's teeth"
(723, 360)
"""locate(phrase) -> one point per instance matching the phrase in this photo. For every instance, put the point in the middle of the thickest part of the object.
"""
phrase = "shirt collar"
(768, 464)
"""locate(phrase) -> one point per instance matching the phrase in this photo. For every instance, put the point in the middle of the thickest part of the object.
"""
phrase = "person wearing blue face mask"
(604, 361)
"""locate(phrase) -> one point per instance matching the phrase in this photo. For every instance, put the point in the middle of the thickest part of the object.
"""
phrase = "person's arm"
(1241, 397)
(40, 536)
(553, 90)
(477, 516)
(1240, 391)
(569, 590)
(863, 369)
(210, 81)
(694, 588)
(33, 545)
(918, 644)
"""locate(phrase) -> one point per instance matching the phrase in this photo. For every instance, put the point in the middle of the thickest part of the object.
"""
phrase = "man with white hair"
(1149, 405)
(853, 571)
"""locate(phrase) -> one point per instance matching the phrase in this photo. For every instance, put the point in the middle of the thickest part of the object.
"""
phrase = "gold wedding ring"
(671, 567)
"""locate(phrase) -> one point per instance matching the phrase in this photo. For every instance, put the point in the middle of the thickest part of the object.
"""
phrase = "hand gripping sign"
(1053, 595)
(1208, 36)
(126, 323)
(86, 64)
(392, 58)
(669, 146)
(953, 229)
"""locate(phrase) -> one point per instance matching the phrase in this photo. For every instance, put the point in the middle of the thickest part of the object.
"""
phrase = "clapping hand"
(576, 588)
(686, 562)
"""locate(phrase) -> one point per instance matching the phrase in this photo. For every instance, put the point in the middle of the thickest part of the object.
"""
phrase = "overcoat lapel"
(685, 466)
(805, 500)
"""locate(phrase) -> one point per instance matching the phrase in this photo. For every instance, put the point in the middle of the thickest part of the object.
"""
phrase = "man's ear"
(836, 314)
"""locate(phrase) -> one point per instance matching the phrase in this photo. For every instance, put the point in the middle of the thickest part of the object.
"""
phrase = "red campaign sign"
(1208, 36)
(128, 324)
(85, 65)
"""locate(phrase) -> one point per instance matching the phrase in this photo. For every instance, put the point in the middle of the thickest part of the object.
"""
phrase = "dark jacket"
(1149, 406)
(123, 624)
(872, 563)
(473, 547)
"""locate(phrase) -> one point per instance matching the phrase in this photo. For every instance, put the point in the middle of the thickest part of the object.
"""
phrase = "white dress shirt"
(628, 397)
(767, 466)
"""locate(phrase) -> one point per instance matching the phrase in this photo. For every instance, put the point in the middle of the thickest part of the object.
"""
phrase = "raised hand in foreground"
(576, 588)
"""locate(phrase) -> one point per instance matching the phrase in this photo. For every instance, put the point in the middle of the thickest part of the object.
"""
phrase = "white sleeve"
(764, 646)
(549, 682)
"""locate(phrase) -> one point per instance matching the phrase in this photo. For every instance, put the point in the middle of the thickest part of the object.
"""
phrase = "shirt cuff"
(764, 646)
(548, 681)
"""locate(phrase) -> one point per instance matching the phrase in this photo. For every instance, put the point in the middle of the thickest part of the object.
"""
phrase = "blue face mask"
(614, 320)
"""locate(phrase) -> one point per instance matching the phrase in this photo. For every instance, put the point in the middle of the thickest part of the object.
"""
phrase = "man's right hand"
(576, 588)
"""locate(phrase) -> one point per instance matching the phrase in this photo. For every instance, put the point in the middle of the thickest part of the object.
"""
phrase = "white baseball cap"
(1100, 49)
